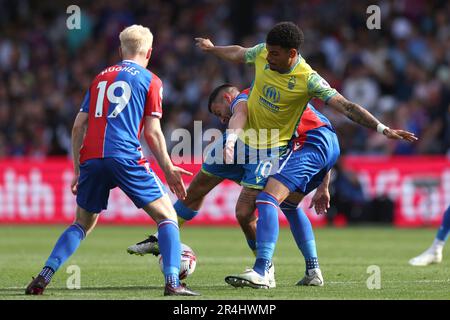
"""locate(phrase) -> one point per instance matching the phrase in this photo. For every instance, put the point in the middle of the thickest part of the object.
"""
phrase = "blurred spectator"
(349, 200)
(401, 73)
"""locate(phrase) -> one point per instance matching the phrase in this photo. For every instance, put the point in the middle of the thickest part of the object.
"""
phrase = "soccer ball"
(188, 262)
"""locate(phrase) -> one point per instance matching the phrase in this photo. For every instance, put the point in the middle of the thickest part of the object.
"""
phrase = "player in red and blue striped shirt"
(122, 100)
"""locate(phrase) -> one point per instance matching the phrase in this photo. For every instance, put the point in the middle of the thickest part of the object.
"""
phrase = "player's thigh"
(161, 209)
(94, 184)
(200, 186)
(329, 145)
(245, 206)
(277, 189)
(86, 219)
(299, 167)
(137, 180)
(257, 167)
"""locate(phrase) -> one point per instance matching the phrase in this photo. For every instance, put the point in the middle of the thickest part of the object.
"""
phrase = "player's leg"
(266, 237)
(255, 176)
(319, 152)
(267, 228)
(245, 215)
(146, 191)
(304, 172)
(163, 213)
(200, 186)
(66, 245)
(186, 210)
(434, 253)
(93, 192)
(301, 229)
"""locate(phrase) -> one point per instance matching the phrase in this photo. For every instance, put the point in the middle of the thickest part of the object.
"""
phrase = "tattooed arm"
(318, 87)
(358, 114)
(353, 111)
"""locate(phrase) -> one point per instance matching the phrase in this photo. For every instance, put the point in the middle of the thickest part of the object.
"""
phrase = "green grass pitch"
(108, 272)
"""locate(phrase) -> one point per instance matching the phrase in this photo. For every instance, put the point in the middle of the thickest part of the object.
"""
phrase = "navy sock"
(311, 263)
(266, 231)
(47, 273)
(67, 244)
(170, 248)
(173, 280)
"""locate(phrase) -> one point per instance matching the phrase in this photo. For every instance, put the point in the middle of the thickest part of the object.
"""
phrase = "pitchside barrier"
(34, 191)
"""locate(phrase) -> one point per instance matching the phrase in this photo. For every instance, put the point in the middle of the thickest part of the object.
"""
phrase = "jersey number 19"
(121, 100)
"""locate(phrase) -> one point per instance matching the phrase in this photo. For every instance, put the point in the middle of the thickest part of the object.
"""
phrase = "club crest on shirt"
(291, 83)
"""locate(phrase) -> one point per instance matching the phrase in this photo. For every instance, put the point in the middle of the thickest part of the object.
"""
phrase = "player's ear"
(149, 53)
(293, 53)
(227, 97)
(120, 53)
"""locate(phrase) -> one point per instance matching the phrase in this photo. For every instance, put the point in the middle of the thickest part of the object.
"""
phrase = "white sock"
(438, 245)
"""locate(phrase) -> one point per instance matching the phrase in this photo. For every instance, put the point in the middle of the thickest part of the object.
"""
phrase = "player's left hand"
(321, 201)
(400, 135)
(175, 181)
(74, 184)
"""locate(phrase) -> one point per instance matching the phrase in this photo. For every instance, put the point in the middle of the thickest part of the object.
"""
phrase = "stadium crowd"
(401, 72)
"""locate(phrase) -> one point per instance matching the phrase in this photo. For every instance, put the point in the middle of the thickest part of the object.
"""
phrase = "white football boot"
(149, 245)
(272, 282)
(430, 256)
(249, 278)
(312, 278)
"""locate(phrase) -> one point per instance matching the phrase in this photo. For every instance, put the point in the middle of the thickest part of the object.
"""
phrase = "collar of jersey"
(299, 58)
(132, 61)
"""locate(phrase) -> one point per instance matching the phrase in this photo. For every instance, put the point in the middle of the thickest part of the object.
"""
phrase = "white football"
(188, 262)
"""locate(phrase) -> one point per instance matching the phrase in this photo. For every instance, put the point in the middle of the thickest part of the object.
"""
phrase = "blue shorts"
(251, 167)
(303, 170)
(99, 176)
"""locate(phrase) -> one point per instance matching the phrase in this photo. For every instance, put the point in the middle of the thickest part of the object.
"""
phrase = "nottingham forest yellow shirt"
(277, 100)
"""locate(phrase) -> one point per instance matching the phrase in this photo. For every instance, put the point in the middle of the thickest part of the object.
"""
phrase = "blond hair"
(135, 39)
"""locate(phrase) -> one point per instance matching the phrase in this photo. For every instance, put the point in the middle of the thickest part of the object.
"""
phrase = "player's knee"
(264, 197)
(86, 220)
(244, 216)
(87, 225)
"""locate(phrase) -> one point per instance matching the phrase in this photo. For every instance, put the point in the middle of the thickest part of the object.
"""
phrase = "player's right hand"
(204, 44)
(74, 184)
(228, 154)
(175, 181)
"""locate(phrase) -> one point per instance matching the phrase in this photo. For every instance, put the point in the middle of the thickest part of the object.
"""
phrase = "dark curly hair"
(286, 35)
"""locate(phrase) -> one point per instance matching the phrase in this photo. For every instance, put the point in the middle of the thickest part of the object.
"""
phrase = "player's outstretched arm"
(360, 115)
(232, 53)
(235, 127)
(157, 143)
(78, 132)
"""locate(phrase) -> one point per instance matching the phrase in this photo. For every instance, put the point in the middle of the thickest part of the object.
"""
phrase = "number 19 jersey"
(118, 100)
